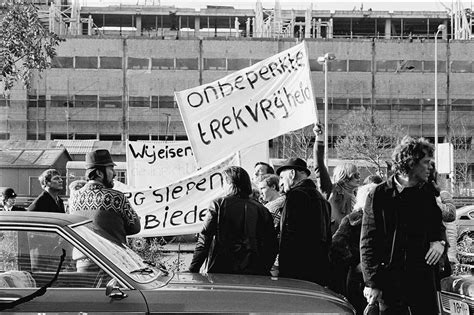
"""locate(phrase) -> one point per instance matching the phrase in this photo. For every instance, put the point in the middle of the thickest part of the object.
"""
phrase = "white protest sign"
(249, 106)
(179, 208)
(158, 163)
(251, 155)
(445, 158)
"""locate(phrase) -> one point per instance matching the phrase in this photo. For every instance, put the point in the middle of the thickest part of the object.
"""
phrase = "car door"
(29, 259)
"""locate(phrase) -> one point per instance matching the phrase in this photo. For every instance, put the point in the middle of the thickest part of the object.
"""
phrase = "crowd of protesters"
(381, 243)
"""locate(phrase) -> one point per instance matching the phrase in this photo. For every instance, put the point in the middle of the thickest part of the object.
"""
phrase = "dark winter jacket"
(14, 208)
(345, 242)
(46, 203)
(321, 171)
(397, 230)
(305, 234)
(238, 237)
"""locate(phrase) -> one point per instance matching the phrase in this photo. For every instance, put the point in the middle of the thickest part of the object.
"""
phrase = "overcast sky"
(384, 5)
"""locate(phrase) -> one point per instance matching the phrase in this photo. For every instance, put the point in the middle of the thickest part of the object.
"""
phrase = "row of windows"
(167, 101)
(154, 101)
(105, 137)
(338, 65)
(459, 143)
(401, 104)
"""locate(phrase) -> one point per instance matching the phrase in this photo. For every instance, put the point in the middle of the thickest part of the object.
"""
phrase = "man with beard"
(305, 235)
(107, 207)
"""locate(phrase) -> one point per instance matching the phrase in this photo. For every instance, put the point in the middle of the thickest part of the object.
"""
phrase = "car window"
(121, 256)
(30, 259)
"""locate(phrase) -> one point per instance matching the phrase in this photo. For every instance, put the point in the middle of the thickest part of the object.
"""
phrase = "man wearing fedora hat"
(305, 235)
(8, 200)
(107, 207)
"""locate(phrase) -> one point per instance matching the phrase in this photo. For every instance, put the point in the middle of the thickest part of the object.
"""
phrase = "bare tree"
(366, 135)
(298, 143)
(25, 44)
(461, 138)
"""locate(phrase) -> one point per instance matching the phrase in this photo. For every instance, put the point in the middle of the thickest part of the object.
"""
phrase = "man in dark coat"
(305, 226)
(402, 237)
(48, 200)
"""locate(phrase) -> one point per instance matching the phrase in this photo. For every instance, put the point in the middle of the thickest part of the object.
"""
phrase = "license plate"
(458, 307)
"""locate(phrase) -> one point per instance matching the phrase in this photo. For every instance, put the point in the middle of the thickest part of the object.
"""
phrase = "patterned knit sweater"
(275, 207)
(109, 209)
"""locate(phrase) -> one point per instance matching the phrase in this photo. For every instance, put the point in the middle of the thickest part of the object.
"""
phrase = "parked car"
(96, 275)
(465, 213)
(457, 291)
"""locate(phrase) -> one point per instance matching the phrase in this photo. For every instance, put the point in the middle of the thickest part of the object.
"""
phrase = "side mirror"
(113, 290)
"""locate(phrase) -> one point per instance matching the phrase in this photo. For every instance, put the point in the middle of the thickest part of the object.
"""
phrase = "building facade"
(117, 82)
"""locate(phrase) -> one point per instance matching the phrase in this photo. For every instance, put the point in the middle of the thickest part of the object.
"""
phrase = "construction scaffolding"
(461, 19)
(271, 23)
(66, 20)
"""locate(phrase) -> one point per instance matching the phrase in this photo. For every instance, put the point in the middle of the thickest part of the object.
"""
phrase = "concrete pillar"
(330, 29)
(254, 28)
(138, 24)
(318, 28)
(388, 28)
(89, 25)
(237, 27)
(197, 25)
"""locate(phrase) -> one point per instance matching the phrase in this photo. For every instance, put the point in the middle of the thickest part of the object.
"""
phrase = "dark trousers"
(411, 291)
(355, 290)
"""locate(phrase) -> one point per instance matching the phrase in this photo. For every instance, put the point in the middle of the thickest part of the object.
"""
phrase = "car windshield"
(121, 256)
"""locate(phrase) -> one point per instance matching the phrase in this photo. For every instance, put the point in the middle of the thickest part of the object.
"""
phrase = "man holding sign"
(257, 103)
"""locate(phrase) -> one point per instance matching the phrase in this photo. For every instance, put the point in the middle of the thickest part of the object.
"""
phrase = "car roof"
(60, 219)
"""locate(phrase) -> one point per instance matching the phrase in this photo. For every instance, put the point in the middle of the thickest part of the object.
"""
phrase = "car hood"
(243, 294)
(463, 285)
(463, 211)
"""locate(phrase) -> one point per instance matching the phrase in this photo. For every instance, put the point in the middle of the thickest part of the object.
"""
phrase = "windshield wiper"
(160, 266)
(144, 270)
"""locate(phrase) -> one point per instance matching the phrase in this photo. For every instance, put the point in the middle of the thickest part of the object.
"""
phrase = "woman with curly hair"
(346, 179)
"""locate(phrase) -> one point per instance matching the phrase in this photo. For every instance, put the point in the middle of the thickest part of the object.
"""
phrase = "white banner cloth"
(179, 208)
(158, 163)
(258, 103)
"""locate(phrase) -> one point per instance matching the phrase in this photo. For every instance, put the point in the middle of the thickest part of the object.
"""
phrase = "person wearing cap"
(9, 199)
(49, 200)
(305, 235)
(109, 209)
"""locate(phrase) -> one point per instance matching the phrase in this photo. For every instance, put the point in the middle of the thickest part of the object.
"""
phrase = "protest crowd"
(379, 241)
(370, 239)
